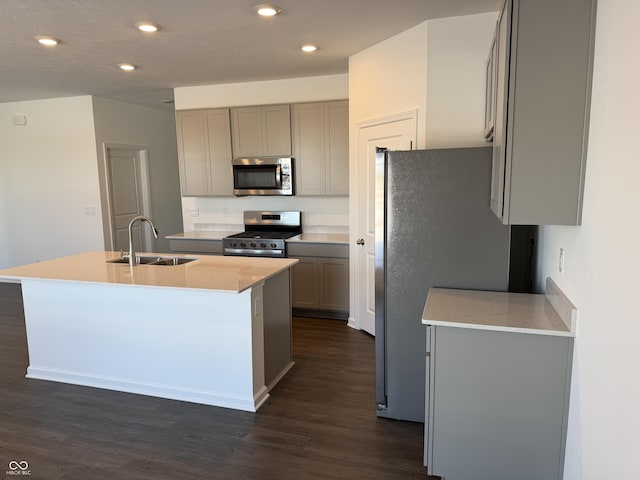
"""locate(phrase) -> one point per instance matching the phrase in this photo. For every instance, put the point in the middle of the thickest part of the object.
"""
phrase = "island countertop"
(549, 314)
(218, 273)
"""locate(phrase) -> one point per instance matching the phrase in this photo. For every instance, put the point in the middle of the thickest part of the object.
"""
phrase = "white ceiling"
(201, 42)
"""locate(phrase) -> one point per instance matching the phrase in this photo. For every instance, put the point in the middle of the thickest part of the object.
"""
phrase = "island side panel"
(260, 392)
(184, 344)
(278, 351)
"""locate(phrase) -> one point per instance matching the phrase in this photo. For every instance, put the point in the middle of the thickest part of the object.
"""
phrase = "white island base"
(212, 347)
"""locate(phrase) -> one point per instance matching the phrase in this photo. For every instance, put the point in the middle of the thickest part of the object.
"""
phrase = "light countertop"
(219, 273)
(340, 238)
(500, 311)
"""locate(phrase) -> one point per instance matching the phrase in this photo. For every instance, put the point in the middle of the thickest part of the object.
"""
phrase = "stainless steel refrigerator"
(434, 228)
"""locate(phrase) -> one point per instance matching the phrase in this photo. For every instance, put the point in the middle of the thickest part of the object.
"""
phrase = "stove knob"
(253, 245)
(273, 245)
(263, 245)
(242, 244)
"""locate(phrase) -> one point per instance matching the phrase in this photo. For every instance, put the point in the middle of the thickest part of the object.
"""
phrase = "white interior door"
(126, 178)
(394, 134)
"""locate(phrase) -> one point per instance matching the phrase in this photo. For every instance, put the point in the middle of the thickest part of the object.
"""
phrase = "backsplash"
(319, 214)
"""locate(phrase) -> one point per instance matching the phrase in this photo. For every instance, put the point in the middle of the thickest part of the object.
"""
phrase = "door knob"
(360, 241)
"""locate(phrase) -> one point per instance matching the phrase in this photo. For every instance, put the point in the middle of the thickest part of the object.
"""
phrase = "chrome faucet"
(132, 254)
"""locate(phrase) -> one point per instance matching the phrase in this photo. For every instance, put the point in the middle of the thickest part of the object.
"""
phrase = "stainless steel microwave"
(263, 176)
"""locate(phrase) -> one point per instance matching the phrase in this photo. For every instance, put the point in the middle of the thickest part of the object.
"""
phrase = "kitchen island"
(216, 330)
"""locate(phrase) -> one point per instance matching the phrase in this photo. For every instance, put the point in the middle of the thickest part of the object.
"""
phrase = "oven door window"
(254, 177)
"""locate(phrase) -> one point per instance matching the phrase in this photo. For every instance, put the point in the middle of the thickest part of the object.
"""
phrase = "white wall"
(5, 246)
(319, 213)
(387, 78)
(292, 90)
(602, 265)
(135, 125)
(438, 68)
(49, 174)
(457, 50)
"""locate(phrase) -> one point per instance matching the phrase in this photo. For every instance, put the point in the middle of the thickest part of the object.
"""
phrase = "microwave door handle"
(279, 176)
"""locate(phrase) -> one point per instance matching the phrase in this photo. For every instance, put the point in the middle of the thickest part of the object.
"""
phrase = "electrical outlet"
(321, 212)
(195, 212)
(561, 261)
(225, 212)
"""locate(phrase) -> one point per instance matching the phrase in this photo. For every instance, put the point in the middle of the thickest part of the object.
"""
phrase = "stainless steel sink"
(154, 260)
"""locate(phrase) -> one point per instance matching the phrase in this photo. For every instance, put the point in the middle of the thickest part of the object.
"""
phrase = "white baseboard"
(280, 375)
(218, 399)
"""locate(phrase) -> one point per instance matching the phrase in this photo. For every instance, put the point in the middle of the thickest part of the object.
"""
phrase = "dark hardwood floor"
(319, 422)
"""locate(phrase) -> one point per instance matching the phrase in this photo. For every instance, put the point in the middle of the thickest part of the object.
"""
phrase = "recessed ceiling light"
(309, 48)
(267, 10)
(47, 41)
(147, 27)
(127, 67)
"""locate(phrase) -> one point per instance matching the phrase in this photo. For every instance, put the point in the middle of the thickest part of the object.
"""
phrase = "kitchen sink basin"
(154, 260)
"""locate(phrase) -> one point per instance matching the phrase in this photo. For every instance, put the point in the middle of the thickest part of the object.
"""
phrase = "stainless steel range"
(265, 234)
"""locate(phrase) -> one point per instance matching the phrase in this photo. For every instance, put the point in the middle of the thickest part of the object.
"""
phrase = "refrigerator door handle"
(379, 265)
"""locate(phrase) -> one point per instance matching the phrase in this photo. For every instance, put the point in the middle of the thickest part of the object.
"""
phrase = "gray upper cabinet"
(204, 151)
(490, 87)
(542, 92)
(261, 131)
(321, 147)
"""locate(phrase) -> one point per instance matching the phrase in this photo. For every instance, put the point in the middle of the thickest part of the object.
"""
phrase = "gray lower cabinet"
(320, 281)
(320, 136)
(305, 283)
(204, 152)
(496, 404)
(333, 284)
(207, 247)
(542, 91)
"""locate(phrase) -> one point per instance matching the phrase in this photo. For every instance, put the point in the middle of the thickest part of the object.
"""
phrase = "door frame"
(142, 157)
(356, 189)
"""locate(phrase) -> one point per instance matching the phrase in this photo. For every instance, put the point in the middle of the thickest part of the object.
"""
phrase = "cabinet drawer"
(211, 247)
(299, 249)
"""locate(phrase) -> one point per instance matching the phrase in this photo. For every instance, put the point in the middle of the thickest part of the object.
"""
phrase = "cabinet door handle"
(360, 241)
